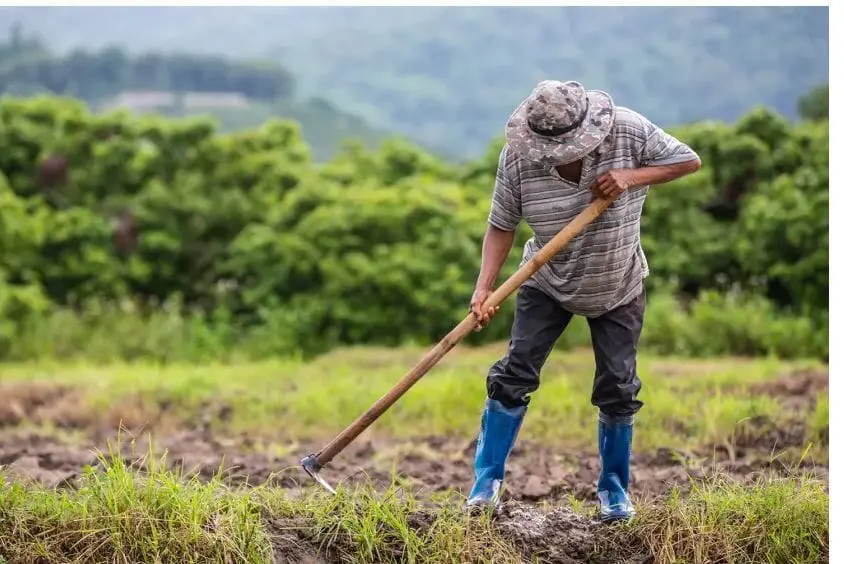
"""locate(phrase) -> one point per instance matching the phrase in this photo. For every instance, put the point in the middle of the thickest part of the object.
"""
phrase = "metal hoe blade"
(309, 463)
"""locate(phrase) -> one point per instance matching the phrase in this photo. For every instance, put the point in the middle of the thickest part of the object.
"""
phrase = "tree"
(815, 104)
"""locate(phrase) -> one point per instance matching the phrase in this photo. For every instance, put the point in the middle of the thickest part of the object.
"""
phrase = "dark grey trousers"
(539, 321)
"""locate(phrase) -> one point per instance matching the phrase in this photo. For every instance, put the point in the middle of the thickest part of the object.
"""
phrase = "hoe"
(313, 463)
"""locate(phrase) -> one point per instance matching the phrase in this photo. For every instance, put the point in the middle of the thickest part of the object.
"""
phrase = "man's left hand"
(612, 183)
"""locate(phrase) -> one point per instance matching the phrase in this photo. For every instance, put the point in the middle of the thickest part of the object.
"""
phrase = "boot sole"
(616, 519)
(476, 510)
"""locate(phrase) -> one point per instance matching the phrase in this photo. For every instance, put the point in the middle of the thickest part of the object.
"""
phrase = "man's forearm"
(663, 173)
(497, 245)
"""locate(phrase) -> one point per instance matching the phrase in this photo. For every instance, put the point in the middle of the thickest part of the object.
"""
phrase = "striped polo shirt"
(604, 266)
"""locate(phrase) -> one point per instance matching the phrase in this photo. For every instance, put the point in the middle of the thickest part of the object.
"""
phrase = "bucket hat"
(560, 122)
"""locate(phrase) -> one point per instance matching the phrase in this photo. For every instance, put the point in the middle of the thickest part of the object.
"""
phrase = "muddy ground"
(536, 473)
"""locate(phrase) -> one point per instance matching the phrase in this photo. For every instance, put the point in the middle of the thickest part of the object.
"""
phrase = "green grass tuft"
(818, 425)
(363, 525)
(782, 519)
(120, 515)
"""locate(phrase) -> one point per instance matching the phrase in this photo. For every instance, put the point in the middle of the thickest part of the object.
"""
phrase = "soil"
(536, 473)
(291, 544)
(797, 391)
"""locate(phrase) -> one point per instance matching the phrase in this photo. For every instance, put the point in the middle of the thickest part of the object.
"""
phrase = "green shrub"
(257, 250)
(723, 324)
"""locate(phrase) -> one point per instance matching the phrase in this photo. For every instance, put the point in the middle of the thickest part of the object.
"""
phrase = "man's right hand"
(478, 298)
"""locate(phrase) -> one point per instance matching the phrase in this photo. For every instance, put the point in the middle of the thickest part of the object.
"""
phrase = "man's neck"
(571, 171)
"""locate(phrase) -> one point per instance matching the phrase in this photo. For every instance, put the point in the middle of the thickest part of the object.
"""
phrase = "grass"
(819, 419)
(119, 514)
(363, 525)
(774, 520)
(126, 513)
(687, 403)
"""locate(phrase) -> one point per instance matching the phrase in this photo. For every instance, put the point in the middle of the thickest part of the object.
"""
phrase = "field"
(186, 312)
(187, 463)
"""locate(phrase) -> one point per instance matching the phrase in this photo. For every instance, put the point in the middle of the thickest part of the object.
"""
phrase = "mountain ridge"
(449, 77)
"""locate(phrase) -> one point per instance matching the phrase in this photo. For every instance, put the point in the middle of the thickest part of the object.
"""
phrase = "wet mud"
(535, 473)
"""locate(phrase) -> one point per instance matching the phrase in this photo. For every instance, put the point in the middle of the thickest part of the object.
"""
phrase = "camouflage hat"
(560, 122)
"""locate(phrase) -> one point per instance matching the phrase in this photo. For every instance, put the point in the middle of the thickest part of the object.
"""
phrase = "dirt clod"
(291, 544)
(559, 536)
(535, 488)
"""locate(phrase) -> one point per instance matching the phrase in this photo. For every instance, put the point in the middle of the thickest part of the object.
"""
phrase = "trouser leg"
(538, 323)
(615, 338)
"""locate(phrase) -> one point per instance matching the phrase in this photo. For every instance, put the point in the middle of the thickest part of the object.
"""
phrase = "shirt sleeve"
(506, 210)
(661, 148)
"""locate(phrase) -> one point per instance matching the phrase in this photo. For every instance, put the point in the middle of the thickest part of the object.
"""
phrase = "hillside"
(450, 76)
(238, 93)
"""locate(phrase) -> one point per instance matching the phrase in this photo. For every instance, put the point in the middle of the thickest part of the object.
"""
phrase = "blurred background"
(219, 183)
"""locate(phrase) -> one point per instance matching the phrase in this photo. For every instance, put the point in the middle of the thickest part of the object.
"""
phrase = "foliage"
(242, 234)
(776, 177)
(725, 323)
(28, 68)
(457, 73)
(815, 104)
(324, 126)
(449, 76)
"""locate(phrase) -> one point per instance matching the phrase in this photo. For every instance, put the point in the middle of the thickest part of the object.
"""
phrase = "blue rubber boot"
(615, 438)
(499, 427)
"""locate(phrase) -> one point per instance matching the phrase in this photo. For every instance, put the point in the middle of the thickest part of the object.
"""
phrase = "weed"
(818, 424)
(120, 513)
(775, 519)
(687, 403)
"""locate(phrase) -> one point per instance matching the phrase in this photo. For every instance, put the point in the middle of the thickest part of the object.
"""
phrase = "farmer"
(566, 146)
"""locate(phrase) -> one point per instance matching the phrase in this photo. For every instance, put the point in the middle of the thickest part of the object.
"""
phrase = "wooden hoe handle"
(554, 246)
